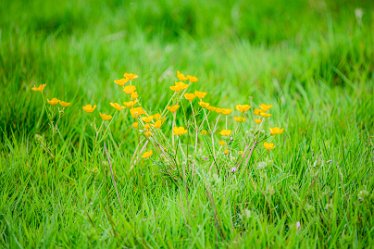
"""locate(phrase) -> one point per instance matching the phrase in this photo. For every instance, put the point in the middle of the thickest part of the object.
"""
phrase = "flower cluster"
(52, 101)
(190, 123)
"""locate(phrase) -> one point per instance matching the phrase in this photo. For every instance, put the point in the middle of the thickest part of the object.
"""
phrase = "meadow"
(298, 75)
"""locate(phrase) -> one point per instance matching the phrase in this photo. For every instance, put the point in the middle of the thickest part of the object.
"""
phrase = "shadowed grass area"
(313, 60)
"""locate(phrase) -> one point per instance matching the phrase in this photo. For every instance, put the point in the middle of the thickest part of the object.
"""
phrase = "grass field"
(312, 60)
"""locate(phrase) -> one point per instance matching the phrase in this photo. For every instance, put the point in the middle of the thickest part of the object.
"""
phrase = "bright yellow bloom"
(243, 108)
(222, 142)
(130, 76)
(258, 121)
(265, 107)
(265, 115)
(121, 82)
(130, 103)
(179, 86)
(147, 126)
(89, 108)
(200, 95)
(204, 132)
(148, 133)
(226, 151)
(276, 131)
(135, 125)
(225, 133)
(117, 106)
(105, 117)
(147, 119)
(257, 111)
(64, 104)
(204, 104)
(269, 146)
(39, 88)
(134, 95)
(178, 131)
(192, 78)
(157, 124)
(213, 109)
(181, 76)
(173, 108)
(147, 154)
(239, 119)
(129, 89)
(137, 111)
(189, 96)
(156, 116)
(226, 111)
(53, 101)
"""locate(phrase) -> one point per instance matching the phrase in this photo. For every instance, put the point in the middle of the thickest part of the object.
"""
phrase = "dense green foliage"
(313, 60)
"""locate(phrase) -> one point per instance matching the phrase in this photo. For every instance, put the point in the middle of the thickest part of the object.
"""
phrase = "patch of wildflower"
(197, 133)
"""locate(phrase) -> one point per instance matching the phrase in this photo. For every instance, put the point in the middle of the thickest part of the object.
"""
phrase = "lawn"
(69, 179)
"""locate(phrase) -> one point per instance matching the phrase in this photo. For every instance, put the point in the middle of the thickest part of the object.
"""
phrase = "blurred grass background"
(312, 59)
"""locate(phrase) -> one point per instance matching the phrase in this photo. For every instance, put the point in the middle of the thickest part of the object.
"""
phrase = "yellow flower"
(192, 78)
(147, 126)
(265, 107)
(204, 104)
(189, 96)
(243, 108)
(204, 132)
(89, 108)
(121, 82)
(129, 89)
(269, 146)
(178, 86)
(134, 95)
(258, 121)
(135, 125)
(147, 154)
(148, 133)
(265, 115)
(147, 119)
(225, 133)
(257, 111)
(53, 101)
(226, 151)
(239, 119)
(130, 76)
(178, 131)
(157, 124)
(130, 103)
(39, 88)
(276, 131)
(226, 111)
(213, 109)
(173, 108)
(200, 95)
(222, 142)
(181, 76)
(156, 116)
(64, 104)
(137, 111)
(117, 106)
(105, 117)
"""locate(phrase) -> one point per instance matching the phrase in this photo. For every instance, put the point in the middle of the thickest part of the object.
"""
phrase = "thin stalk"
(112, 175)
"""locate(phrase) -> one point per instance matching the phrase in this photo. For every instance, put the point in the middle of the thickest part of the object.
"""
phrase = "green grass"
(313, 60)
